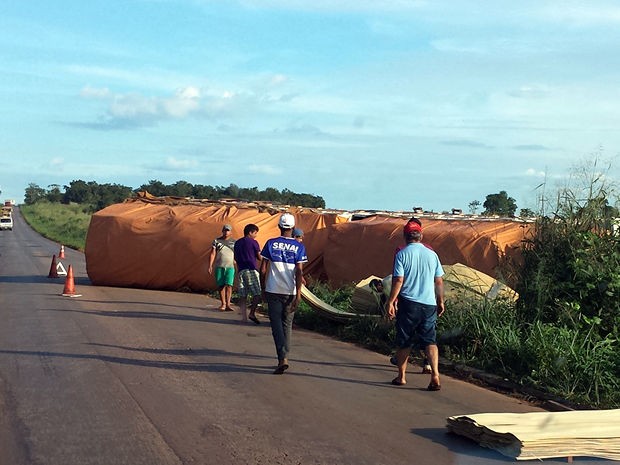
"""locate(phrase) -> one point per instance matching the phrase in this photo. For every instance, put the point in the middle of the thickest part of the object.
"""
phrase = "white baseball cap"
(287, 221)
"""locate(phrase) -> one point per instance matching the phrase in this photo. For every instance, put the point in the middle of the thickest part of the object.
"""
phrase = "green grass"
(65, 224)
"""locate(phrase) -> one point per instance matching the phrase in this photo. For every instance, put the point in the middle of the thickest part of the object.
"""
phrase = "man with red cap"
(417, 285)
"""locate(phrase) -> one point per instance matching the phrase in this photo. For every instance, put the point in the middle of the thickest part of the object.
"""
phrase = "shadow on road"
(145, 314)
(459, 444)
(169, 365)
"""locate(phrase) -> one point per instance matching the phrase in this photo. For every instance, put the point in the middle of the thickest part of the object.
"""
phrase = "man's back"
(419, 266)
(246, 251)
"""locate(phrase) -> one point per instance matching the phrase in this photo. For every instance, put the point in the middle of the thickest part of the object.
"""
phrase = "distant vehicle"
(6, 222)
(9, 203)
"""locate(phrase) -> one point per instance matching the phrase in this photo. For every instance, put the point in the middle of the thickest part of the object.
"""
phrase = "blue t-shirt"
(283, 253)
(246, 250)
(418, 266)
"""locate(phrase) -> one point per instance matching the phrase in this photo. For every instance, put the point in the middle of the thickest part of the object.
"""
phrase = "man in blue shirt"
(417, 284)
(281, 280)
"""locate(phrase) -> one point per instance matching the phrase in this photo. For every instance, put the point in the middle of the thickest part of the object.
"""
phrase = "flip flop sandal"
(434, 387)
(281, 369)
(397, 382)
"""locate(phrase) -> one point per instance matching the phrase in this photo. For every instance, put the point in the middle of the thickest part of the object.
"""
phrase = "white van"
(6, 222)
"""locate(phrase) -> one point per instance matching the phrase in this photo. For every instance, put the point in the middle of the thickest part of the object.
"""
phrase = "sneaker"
(427, 369)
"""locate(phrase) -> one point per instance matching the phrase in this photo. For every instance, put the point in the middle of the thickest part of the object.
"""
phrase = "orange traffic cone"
(69, 290)
(53, 269)
(61, 254)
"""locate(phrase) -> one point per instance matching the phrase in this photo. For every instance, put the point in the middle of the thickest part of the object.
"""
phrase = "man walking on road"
(247, 252)
(417, 284)
(281, 280)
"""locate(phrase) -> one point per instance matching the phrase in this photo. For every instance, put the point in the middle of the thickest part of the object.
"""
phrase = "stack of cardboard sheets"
(541, 435)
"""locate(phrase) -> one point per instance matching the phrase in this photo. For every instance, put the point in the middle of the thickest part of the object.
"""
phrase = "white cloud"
(339, 6)
(131, 106)
(582, 13)
(531, 172)
(453, 45)
(278, 79)
(265, 169)
(94, 92)
(180, 165)
(184, 102)
(530, 91)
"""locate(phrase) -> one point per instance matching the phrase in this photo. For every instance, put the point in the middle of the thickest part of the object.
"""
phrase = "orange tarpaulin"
(358, 249)
(162, 246)
(158, 243)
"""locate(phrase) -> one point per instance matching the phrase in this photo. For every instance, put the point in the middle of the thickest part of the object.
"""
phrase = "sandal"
(434, 386)
(281, 369)
(397, 382)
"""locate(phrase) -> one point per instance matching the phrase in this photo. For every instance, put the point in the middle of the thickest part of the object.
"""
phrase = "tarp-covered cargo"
(165, 243)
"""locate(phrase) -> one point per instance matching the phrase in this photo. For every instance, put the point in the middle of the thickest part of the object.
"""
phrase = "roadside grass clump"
(65, 224)
(577, 365)
(485, 334)
(372, 333)
(569, 287)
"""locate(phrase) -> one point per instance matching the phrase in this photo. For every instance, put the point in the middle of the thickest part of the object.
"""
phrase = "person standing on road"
(281, 280)
(417, 285)
(223, 258)
(247, 252)
(426, 367)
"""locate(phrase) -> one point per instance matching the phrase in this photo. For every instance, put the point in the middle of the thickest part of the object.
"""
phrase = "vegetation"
(500, 204)
(94, 196)
(66, 224)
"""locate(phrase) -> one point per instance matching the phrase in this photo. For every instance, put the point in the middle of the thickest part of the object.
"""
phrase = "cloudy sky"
(370, 104)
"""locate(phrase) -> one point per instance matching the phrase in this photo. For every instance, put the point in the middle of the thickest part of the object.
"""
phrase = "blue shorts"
(415, 324)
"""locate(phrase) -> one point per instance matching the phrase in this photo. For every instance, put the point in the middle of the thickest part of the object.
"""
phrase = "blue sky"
(371, 104)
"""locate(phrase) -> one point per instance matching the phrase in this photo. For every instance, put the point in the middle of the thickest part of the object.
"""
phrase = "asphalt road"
(129, 376)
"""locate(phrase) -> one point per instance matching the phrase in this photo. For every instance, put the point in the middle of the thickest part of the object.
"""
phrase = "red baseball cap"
(412, 226)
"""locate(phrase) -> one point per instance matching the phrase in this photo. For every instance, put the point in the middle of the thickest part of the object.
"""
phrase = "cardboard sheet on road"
(541, 435)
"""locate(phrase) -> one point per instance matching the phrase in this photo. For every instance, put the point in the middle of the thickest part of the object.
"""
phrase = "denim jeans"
(281, 321)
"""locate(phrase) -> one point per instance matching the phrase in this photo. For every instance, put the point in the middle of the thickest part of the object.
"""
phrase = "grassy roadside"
(65, 224)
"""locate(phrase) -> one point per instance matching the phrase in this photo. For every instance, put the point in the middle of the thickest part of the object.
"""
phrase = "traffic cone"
(53, 269)
(62, 252)
(69, 290)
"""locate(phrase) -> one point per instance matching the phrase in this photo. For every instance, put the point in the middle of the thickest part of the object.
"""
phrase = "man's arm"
(264, 267)
(397, 284)
(212, 259)
(439, 296)
(299, 276)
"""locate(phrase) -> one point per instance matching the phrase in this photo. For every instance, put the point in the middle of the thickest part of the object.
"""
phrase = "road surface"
(130, 376)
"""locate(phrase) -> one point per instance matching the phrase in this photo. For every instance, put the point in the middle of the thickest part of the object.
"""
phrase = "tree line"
(97, 196)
